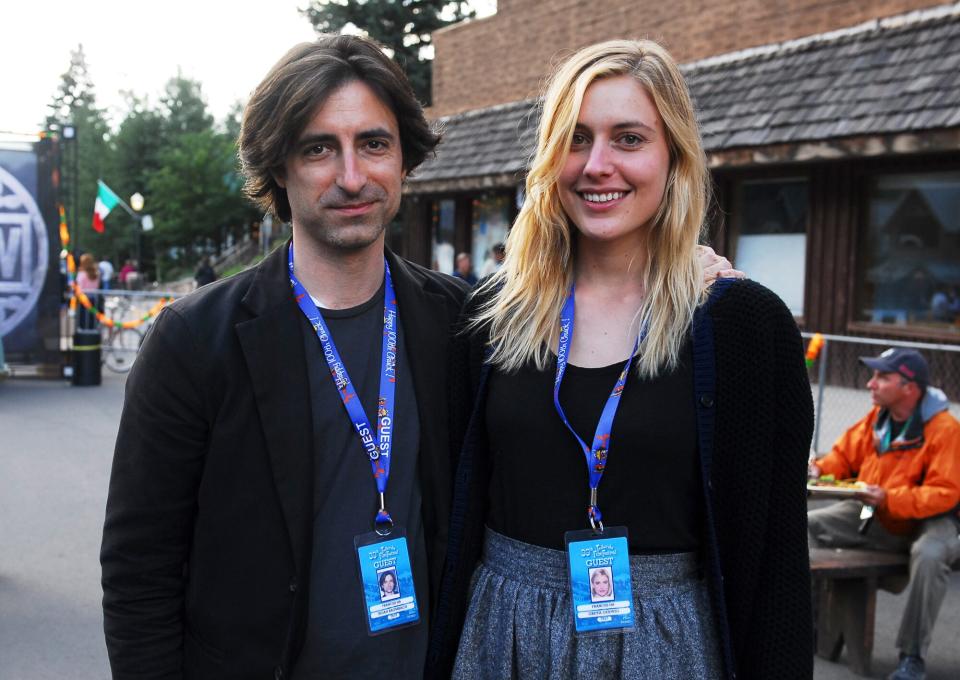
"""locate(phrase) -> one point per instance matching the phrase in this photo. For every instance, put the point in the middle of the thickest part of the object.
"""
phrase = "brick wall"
(505, 57)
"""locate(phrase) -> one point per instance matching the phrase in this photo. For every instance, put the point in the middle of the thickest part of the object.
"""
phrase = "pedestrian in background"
(205, 273)
(88, 280)
(493, 263)
(126, 270)
(906, 452)
(106, 273)
(464, 269)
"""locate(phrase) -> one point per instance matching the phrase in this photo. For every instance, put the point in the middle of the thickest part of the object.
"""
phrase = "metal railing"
(838, 380)
(118, 304)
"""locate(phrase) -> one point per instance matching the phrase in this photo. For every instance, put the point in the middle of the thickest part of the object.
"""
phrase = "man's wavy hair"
(287, 98)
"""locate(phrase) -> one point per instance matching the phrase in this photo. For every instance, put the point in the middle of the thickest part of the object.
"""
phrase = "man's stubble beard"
(347, 238)
(351, 234)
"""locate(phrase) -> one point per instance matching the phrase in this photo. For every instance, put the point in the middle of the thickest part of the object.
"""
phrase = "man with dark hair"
(205, 273)
(907, 453)
(245, 479)
(464, 269)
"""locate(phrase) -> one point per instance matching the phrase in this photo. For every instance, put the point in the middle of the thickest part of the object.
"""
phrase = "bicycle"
(119, 345)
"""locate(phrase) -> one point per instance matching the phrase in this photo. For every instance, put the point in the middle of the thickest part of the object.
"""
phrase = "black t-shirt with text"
(345, 503)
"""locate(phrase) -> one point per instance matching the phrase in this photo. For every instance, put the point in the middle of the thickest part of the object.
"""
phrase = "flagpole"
(130, 211)
(138, 225)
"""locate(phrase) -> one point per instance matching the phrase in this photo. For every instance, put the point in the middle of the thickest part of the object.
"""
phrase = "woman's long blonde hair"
(529, 290)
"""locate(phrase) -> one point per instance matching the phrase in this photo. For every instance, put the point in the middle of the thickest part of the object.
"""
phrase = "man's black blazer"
(207, 540)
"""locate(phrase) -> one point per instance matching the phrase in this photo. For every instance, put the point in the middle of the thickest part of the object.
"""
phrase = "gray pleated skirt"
(520, 620)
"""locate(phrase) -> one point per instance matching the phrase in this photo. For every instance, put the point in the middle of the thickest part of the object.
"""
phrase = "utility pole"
(69, 134)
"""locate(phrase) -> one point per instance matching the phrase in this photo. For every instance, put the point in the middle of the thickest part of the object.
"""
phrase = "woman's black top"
(539, 486)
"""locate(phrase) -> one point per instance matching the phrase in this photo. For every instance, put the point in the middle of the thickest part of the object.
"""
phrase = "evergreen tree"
(183, 107)
(403, 26)
(83, 157)
(173, 153)
(135, 156)
(234, 120)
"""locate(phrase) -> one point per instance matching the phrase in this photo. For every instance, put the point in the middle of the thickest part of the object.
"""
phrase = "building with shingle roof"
(884, 77)
(836, 161)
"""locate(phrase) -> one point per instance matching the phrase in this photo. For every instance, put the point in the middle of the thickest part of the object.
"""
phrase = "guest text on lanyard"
(596, 455)
(377, 446)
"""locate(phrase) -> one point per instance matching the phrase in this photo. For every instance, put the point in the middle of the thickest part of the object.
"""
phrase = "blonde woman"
(603, 387)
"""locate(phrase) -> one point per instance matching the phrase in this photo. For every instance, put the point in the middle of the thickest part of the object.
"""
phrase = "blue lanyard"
(377, 445)
(596, 455)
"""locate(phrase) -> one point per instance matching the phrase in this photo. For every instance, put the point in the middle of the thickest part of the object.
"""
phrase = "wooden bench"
(845, 584)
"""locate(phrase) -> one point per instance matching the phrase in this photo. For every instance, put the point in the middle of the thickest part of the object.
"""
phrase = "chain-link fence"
(839, 381)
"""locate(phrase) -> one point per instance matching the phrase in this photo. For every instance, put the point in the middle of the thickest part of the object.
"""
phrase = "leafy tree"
(137, 145)
(135, 155)
(84, 157)
(403, 26)
(196, 196)
(172, 153)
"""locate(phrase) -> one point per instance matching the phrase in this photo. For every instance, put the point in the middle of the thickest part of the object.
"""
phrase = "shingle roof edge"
(913, 18)
(474, 113)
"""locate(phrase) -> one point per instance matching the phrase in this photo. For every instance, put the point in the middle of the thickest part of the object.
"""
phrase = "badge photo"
(389, 587)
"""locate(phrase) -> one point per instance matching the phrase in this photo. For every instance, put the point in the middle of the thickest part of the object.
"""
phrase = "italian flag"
(106, 201)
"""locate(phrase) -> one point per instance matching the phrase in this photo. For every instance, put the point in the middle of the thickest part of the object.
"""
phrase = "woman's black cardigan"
(754, 422)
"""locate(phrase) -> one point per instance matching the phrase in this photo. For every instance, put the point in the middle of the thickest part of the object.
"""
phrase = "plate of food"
(827, 486)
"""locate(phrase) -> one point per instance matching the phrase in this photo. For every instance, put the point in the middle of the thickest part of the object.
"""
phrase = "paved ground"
(56, 443)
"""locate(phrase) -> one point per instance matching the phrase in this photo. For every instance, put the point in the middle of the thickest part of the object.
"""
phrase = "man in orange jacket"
(907, 452)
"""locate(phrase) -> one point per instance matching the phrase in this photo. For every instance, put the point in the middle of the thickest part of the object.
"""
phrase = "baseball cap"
(907, 362)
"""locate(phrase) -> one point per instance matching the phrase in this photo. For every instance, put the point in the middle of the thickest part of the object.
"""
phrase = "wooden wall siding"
(717, 235)
(417, 220)
(831, 253)
(821, 265)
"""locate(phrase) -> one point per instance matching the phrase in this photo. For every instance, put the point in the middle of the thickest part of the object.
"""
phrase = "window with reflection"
(491, 220)
(771, 236)
(909, 252)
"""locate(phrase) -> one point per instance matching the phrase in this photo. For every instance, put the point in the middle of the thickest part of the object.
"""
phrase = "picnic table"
(845, 582)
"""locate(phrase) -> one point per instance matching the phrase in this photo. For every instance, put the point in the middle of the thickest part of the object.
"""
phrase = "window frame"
(732, 225)
(857, 268)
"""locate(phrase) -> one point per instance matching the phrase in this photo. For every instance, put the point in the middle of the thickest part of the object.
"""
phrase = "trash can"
(86, 357)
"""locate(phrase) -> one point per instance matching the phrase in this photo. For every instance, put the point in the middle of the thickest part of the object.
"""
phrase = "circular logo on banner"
(23, 252)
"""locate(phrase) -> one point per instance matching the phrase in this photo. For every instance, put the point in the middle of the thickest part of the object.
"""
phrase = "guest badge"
(600, 581)
(389, 599)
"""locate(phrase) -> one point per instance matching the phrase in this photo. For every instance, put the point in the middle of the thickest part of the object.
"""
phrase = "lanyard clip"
(593, 513)
(383, 523)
